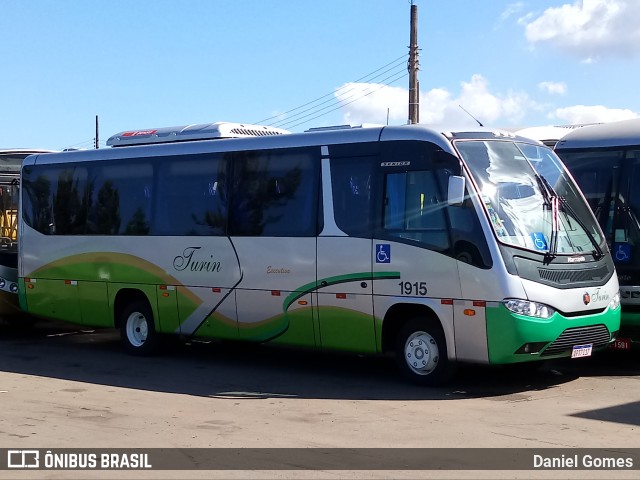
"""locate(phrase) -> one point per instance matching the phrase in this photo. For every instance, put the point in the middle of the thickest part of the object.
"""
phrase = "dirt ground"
(61, 387)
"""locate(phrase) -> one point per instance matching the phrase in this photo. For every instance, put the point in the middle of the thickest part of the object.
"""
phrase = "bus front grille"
(573, 276)
(597, 335)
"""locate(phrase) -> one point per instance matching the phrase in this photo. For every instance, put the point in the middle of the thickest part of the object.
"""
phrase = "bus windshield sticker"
(539, 242)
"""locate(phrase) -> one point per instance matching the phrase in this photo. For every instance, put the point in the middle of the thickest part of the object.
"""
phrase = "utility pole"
(97, 144)
(414, 85)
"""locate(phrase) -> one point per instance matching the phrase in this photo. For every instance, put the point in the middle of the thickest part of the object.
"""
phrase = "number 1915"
(415, 288)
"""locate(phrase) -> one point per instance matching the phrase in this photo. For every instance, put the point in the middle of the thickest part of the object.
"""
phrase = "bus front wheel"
(421, 353)
(137, 330)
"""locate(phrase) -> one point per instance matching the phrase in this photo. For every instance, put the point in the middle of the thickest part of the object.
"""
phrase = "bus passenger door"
(344, 280)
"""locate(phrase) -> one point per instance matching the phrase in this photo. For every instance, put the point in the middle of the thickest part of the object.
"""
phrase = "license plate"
(621, 344)
(581, 351)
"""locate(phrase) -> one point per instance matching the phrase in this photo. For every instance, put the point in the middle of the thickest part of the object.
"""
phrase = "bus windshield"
(608, 178)
(530, 200)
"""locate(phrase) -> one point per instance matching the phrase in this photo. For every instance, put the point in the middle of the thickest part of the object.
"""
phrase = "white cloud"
(511, 10)
(368, 103)
(591, 114)
(371, 102)
(553, 88)
(588, 28)
(437, 106)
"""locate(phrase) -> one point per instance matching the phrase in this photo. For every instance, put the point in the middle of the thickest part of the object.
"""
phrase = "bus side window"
(351, 183)
(55, 203)
(191, 196)
(107, 213)
(274, 194)
(414, 209)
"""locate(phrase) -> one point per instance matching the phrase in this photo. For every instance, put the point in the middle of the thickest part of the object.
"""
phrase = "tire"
(137, 330)
(421, 353)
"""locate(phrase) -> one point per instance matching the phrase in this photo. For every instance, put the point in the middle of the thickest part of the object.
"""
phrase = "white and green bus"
(436, 246)
(605, 162)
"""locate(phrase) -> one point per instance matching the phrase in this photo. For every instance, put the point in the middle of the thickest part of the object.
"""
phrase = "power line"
(338, 103)
(400, 61)
(404, 74)
(332, 99)
(342, 102)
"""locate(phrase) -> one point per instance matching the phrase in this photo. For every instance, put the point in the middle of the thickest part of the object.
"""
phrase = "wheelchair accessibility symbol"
(539, 241)
(622, 252)
(383, 253)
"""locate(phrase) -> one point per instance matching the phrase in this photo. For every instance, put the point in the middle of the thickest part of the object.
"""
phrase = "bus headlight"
(531, 309)
(2, 283)
(615, 301)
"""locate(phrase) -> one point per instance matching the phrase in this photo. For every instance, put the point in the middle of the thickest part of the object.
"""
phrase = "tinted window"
(192, 196)
(274, 194)
(352, 183)
(598, 175)
(120, 197)
(414, 209)
(55, 199)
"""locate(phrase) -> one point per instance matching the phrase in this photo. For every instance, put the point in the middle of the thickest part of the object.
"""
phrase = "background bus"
(550, 134)
(438, 246)
(10, 163)
(605, 161)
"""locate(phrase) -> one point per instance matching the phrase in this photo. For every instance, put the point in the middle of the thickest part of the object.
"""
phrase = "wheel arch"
(401, 313)
(124, 297)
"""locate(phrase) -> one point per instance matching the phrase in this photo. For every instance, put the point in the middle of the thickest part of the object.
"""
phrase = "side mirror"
(456, 191)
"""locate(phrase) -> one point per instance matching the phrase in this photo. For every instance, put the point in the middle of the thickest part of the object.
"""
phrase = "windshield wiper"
(597, 251)
(550, 201)
(555, 201)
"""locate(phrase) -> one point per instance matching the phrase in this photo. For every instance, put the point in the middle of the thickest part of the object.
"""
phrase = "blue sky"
(147, 64)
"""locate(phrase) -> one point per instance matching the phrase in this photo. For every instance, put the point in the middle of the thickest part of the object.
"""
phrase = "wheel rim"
(137, 329)
(421, 353)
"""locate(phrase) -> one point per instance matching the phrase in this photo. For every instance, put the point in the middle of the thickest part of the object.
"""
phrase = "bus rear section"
(436, 247)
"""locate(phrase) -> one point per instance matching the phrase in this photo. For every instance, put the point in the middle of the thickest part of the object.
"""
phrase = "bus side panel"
(208, 312)
(415, 275)
(55, 299)
(94, 304)
(471, 320)
(471, 331)
(168, 320)
(301, 317)
(275, 269)
(345, 302)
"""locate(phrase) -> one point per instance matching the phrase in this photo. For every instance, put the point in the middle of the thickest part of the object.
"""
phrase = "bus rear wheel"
(421, 353)
(137, 330)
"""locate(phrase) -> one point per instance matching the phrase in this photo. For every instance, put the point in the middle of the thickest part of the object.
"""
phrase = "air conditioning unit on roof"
(203, 131)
